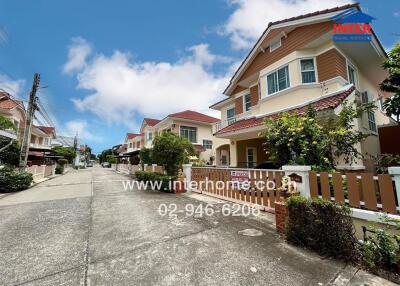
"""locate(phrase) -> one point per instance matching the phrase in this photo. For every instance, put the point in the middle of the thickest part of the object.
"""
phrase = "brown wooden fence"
(258, 194)
(364, 191)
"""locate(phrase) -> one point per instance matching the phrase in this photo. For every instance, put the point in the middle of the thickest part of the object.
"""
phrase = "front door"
(251, 157)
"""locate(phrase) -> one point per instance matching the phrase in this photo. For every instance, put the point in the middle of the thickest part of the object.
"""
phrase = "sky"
(105, 65)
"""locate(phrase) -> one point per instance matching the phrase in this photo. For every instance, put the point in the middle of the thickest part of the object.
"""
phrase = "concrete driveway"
(83, 228)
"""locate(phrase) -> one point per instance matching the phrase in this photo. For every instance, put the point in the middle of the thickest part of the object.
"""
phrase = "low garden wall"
(131, 169)
(41, 172)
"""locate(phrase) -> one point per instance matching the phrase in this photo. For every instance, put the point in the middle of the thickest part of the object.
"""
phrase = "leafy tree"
(103, 155)
(170, 151)
(305, 140)
(67, 153)
(10, 155)
(112, 159)
(392, 83)
(9, 148)
(6, 123)
(295, 139)
(145, 155)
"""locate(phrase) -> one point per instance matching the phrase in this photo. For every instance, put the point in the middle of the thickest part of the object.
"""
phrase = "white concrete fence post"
(395, 172)
(187, 171)
(301, 171)
(153, 167)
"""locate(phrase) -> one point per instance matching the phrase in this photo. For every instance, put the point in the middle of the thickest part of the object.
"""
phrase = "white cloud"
(80, 128)
(78, 51)
(123, 88)
(250, 17)
(11, 86)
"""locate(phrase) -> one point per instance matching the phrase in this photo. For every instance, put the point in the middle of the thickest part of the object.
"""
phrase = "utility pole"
(28, 122)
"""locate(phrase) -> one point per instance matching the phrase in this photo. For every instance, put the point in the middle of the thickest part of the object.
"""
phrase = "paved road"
(84, 229)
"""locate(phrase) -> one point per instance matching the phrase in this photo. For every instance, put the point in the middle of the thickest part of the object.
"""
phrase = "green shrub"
(322, 226)
(12, 180)
(142, 176)
(382, 251)
(62, 161)
(59, 169)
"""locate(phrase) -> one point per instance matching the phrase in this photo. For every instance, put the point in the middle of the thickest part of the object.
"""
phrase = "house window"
(137, 144)
(189, 133)
(278, 80)
(149, 136)
(230, 115)
(247, 102)
(307, 70)
(130, 145)
(274, 45)
(370, 113)
(251, 157)
(352, 74)
(207, 144)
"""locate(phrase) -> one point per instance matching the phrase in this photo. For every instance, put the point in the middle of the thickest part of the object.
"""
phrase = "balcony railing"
(222, 124)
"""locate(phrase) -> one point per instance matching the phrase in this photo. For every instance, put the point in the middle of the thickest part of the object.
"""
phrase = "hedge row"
(321, 225)
(142, 176)
(12, 180)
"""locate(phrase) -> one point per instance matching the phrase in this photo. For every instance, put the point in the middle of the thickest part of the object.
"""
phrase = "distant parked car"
(106, 165)
(90, 164)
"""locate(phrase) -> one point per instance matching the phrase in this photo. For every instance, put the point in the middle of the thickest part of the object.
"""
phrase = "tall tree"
(392, 83)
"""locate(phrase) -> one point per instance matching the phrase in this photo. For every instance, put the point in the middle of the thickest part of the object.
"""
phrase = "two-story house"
(293, 64)
(192, 125)
(14, 110)
(149, 131)
(40, 144)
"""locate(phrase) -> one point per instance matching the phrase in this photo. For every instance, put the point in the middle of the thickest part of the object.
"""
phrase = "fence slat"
(325, 188)
(338, 187)
(313, 184)
(387, 193)
(278, 184)
(271, 192)
(354, 194)
(367, 183)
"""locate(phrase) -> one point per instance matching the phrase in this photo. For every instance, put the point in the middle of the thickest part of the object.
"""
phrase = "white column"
(187, 171)
(153, 167)
(303, 171)
(395, 172)
(233, 153)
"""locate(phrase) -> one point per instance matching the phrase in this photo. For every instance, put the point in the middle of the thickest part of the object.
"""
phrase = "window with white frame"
(370, 113)
(149, 136)
(278, 80)
(352, 74)
(230, 115)
(307, 70)
(246, 102)
(207, 144)
(274, 45)
(189, 133)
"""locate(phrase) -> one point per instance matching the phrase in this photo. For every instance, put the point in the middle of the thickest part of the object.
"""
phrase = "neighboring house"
(133, 143)
(14, 110)
(296, 63)
(148, 131)
(40, 144)
(194, 126)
